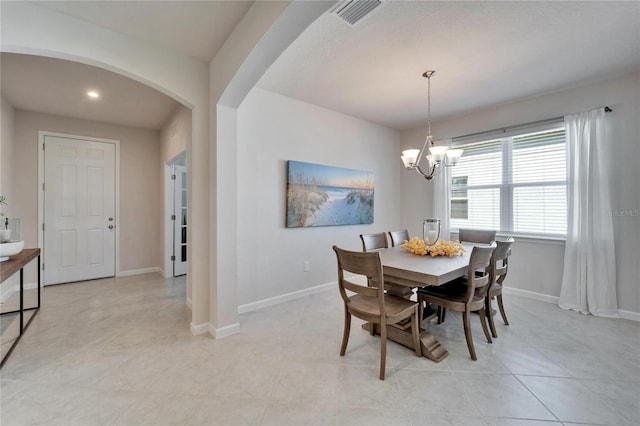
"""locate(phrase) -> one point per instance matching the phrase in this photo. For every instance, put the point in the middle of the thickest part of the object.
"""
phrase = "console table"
(7, 269)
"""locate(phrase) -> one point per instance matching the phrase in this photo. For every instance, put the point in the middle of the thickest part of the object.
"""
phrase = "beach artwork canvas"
(319, 195)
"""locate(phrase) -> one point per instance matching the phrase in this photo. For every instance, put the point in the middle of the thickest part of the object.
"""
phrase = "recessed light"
(93, 94)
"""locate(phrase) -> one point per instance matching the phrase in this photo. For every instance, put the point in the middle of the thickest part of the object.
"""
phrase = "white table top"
(406, 269)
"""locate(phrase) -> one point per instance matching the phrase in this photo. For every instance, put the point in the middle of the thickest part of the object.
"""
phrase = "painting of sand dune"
(319, 195)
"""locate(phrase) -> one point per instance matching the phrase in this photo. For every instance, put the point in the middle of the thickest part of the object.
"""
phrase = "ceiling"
(484, 54)
(59, 87)
(195, 28)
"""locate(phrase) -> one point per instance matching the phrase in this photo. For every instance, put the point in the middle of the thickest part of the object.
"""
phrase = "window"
(515, 184)
(459, 200)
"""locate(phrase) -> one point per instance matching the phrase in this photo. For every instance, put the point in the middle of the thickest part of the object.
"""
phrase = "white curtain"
(589, 278)
(442, 198)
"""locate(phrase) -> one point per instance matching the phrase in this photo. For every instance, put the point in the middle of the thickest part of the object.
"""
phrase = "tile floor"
(119, 351)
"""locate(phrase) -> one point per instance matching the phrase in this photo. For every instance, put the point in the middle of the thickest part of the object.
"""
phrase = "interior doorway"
(78, 202)
(177, 225)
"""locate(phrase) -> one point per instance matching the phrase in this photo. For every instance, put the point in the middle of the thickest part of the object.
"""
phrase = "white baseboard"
(7, 291)
(286, 297)
(629, 315)
(216, 333)
(531, 295)
(199, 329)
(140, 271)
(219, 333)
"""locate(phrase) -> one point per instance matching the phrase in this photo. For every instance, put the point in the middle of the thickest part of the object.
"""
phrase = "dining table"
(9, 267)
(403, 272)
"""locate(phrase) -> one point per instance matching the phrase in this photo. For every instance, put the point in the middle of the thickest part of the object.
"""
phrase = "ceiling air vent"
(352, 11)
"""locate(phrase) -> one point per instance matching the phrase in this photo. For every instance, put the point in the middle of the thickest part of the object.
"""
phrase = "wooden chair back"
(479, 236)
(480, 272)
(500, 260)
(373, 241)
(398, 237)
(499, 267)
(367, 264)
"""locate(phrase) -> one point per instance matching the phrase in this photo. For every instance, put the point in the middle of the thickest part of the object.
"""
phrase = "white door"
(79, 209)
(180, 220)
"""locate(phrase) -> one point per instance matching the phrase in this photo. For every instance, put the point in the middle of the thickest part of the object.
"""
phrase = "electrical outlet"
(306, 266)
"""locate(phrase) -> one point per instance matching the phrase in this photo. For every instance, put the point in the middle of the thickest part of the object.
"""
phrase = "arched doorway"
(213, 91)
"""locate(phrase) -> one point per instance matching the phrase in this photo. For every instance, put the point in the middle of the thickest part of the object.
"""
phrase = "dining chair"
(465, 295)
(373, 241)
(371, 303)
(480, 236)
(500, 263)
(398, 237)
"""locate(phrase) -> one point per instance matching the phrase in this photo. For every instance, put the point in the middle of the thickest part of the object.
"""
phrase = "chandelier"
(437, 156)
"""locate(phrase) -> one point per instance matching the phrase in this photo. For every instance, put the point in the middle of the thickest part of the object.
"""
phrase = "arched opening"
(265, 31)
(45, 97)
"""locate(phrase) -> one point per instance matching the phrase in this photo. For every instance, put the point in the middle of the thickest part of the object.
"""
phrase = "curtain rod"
(506, 129)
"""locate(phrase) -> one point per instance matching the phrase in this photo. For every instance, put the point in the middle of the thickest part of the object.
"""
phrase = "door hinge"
(173, 177)
(43, 186)
(173, 217)
(43, 266)
(173, 258)
(43, 146)
(43, 226)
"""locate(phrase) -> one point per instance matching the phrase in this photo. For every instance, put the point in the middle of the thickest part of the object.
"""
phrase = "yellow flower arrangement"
(442, 248)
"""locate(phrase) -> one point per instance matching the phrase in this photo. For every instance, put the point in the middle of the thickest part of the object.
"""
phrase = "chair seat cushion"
(455, 291)
(394, 306)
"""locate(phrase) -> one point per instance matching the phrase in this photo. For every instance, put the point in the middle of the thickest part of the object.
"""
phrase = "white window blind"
(514, 184)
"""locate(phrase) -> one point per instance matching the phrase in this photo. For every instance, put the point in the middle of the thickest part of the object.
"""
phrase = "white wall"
(537, 267)
(140, 182)
(7, 142)
(264, 33)
(271, 130)
(175, 133)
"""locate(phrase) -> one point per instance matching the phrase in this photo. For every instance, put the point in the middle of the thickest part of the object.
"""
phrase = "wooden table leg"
(398, 290)
(21, 301)
(430, 347)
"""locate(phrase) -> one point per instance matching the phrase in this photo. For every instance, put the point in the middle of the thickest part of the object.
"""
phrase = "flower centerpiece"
(442, 248)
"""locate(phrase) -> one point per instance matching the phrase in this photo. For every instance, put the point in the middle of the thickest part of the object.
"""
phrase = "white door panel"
(180, 223)
(79, 207)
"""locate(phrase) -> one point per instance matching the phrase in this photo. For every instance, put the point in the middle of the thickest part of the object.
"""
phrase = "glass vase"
(431, 231)
(9, 230)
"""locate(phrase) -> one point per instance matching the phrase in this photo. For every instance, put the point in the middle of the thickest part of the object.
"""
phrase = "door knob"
(110, 219)
(110, 226)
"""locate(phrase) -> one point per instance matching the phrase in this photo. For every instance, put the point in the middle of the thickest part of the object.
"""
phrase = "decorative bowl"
(10, 249)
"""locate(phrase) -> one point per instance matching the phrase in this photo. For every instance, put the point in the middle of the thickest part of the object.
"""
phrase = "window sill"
(530, 239)
(539, 239)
